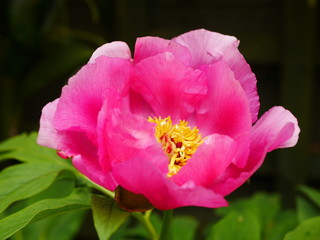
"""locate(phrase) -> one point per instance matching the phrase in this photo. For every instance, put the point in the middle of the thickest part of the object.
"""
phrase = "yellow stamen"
(178, 141)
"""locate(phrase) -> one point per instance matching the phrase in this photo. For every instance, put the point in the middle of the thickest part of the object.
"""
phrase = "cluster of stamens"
(178, 141)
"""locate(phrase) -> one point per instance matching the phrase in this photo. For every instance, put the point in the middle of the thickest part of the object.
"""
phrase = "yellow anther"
(178, 141)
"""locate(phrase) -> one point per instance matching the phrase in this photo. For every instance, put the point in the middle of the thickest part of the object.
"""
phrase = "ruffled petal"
(138, 105)
(115, 49)
(140, 176)
(121, 134)
(150, 46)
(94, 172)
(82, 99)
(168, 86)
(48, 136)
(225, 110)
(71, 143)
(75, 145)
(209, 162)
(207, 47)
(277, 128)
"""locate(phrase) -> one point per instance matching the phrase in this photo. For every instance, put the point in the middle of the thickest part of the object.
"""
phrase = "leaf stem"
(145, 220)
(166, 225)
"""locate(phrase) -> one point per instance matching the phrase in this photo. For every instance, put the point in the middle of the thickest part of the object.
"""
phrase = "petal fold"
(277, 128)
(140, 176)
(115, 49)
(209, 162)
(225, 110)
(74, 145)
(121, 134)
(48, 136)
(150, 46)
(207, 47)
(82, 99)
(169, 87)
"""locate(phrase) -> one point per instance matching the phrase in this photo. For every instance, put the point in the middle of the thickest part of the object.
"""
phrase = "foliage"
(43, 197)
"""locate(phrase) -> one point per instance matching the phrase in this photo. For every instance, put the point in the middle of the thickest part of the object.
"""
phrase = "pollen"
(179, 141)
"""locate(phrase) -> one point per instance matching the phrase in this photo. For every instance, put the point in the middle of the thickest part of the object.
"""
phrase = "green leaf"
(63, 186)
(25, 180)
(79, 199)
(266, 208)
(311, 193)
(184, 228)
(308, 230)
(306, 209)
(107, 216)
(285, 222)
(25, 148)
(236, 225)
(62, 227)
(263, 206)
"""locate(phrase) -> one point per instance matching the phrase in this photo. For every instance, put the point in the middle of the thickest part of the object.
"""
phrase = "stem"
(166, 225)
(145, 220)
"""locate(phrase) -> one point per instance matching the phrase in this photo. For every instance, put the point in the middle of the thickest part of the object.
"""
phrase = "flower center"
(178, 141)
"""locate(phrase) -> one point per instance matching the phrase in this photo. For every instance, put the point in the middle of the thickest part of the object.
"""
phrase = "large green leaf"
(240, 225)
(63, 186)
(263, 206)
(25, 180)
(79, 199)
(25, 148)
(308, 230)
(62, 227)
(286, 221)
(266, 207)
(107, 216)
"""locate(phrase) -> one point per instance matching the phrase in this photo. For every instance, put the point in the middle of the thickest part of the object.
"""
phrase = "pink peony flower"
(176, 123)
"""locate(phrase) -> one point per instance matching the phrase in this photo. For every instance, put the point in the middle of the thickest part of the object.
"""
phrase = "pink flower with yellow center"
(177, 123)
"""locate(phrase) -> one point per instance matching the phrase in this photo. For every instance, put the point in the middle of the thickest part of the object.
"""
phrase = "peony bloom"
(176, 123)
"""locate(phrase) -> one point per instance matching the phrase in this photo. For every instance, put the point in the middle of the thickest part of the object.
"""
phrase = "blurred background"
(44, 42)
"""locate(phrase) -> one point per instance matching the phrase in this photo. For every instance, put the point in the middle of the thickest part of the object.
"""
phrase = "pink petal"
(277, 128)
(138, 105)
(48, 136)
(168, 86)
(207, 47)
(225, 110)
(150, 46)
(82, 99)
(121, 134)
(74, 145)
(114, 49)
(140, 176)
(94, 172)
(71, 143)
(209, 162)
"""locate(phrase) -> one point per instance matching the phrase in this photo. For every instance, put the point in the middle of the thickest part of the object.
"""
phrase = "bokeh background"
(44, 42)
